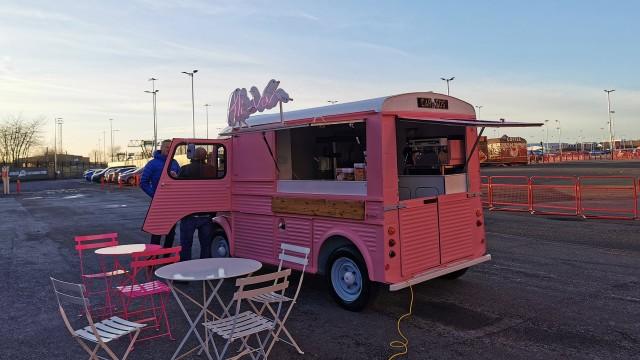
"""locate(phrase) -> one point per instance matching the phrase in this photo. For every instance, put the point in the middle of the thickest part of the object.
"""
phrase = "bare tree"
(18, 136)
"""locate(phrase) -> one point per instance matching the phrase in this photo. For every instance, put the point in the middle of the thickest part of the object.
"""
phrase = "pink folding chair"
(92, 281)
(144, 298)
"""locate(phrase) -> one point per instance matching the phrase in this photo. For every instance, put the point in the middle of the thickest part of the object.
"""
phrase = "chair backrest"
(149, 259)
(294, 255)
(90, 242)
(70, 293)
(278, 282)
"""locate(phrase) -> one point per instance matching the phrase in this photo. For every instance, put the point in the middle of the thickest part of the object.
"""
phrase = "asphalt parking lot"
(557, 287)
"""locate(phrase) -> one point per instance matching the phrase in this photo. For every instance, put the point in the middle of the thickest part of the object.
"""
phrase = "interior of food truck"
(331, 153)
(431, 159)
(327, 158)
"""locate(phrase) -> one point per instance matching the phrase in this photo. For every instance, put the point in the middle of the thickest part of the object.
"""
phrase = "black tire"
(346, 257)
(456, 274)
(220, 241)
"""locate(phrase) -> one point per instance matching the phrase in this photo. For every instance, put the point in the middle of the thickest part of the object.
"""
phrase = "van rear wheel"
(348, 279)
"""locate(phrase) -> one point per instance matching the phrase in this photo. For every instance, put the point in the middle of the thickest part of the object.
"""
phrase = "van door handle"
(430, 201)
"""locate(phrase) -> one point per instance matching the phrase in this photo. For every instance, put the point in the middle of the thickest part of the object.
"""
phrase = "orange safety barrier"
(601, 197)
(554, 195)
(509, 193)
(608, 197)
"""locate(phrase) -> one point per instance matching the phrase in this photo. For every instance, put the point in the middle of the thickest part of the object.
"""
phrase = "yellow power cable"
(402, 344)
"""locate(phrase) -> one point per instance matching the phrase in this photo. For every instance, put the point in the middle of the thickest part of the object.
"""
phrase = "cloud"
(33, 14)
(380, 48)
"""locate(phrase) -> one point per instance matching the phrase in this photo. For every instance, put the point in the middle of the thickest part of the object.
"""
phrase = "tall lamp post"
(546, 126)
(155, 113)
(478, 112)
(55, 146)
(448, 80)
(104, 146)
(206, 106)
(193, 108)
(610, 123)
(559, 136)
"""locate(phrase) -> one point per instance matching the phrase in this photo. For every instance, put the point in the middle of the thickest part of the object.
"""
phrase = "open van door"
(204, 187)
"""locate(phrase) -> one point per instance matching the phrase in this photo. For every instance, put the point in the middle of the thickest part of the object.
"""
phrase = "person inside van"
(196, 169)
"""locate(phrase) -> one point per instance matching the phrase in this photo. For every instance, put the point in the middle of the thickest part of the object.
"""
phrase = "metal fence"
(601, 197)
(45, 169)
(578, 156)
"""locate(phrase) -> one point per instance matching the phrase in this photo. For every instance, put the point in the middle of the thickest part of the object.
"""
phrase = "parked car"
(89, 173)
(104, 173)
(129, 176)
(112, 176)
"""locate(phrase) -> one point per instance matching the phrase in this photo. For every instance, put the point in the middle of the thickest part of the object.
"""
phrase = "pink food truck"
(385, 190)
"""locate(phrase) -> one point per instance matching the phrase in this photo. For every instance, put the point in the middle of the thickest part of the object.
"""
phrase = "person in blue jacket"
(149, 183)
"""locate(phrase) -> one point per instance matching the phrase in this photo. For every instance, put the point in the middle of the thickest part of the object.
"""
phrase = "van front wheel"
(348, 279)
(220, 245)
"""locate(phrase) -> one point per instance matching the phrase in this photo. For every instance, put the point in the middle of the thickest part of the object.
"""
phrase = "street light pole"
(559, 137)
(111, 134)
(546, 126)
(155, 113)
(60, 122)
(206, 106)
(55, 146)
(193, 108)
(610, 123)
(448, 80)
(478, 107)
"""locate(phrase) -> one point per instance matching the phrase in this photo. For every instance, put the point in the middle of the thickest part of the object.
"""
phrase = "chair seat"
(270, 298)
(247, 323)
(109, 329)
(104, 274)
(144, 289)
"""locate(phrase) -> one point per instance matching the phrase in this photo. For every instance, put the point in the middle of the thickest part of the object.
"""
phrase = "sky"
(90, 61)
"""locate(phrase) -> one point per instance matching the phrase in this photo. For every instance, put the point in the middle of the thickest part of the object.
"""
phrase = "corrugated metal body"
(253, 187)
(253, 237)
(456, 228)
(419, 241)
(297, 231)
(252, 204)
(366, 234)
(374, 211)
(177, 198)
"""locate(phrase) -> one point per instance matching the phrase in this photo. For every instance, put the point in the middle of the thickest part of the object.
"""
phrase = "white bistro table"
(211, 272)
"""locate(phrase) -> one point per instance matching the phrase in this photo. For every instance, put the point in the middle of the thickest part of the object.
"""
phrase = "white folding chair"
(242, 325)
(290, 254)
(99, 333)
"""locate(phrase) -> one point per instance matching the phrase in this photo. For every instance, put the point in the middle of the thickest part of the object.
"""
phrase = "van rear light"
(392, 242)
(479, 222)
(391, 230)
(479, 212)
(392, 254)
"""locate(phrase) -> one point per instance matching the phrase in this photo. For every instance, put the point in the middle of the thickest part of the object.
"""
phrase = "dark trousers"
(188, 227)
(168, 239)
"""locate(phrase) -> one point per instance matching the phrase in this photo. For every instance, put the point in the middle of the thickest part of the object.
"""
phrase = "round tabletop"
(208, 269)
(126, 249)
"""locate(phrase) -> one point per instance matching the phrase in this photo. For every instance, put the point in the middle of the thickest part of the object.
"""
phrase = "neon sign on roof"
(241, 106)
